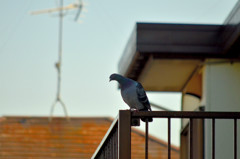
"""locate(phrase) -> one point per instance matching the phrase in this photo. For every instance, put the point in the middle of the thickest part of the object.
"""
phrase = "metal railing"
(117, 142)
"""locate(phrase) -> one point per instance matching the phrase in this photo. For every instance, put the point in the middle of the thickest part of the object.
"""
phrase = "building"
(201, 61)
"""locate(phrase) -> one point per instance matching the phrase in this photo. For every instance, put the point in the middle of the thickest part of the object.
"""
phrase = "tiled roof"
(37, 138)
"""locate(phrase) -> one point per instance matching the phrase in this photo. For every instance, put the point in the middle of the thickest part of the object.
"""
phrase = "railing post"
(169, 138)
(146, 139)
(213, 138)
(235, 138)
(124, 134)
(191, 138)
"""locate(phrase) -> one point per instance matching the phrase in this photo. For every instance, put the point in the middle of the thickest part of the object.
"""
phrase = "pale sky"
(91, 52)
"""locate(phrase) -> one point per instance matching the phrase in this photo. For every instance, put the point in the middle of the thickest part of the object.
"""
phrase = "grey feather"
(142, 97)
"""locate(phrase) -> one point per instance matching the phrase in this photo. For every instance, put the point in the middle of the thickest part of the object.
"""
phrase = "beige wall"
(221, 92)
(189, 103)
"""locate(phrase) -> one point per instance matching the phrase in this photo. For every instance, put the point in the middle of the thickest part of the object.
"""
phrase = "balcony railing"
(117, 142)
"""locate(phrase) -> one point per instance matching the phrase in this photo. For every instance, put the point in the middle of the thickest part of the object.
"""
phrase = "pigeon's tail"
(149, 119)
(144, 119)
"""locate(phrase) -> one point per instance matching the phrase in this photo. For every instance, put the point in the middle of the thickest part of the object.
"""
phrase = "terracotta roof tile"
(36, 137)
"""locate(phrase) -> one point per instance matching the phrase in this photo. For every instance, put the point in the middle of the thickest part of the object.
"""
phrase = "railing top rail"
(187, 114)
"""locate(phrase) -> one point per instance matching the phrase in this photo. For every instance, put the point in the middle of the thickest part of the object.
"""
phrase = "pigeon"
(133, 94)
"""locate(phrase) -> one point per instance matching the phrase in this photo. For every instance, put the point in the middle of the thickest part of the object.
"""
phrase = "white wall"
(221, 92)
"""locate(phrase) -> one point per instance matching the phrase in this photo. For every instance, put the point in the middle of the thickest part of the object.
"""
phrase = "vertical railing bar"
(213, 138)
(169, 138)
(124, 134)
(115, 146)
(111, 147)
(191, 138)
(116, 151)
(146, 139)
(105, 152)
(235, 138)
(108, 148)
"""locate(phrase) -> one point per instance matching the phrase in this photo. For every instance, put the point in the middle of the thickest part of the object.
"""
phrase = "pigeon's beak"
(110, 79)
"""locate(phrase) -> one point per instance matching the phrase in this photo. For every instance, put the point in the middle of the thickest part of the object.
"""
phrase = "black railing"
(117, 142)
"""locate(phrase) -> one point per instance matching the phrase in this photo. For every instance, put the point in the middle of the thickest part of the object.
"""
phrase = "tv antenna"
(60, 9)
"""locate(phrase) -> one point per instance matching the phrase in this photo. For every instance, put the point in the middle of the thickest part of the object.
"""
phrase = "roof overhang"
(163, 57)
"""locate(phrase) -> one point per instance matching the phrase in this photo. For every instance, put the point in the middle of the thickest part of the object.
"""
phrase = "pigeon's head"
(115, 77)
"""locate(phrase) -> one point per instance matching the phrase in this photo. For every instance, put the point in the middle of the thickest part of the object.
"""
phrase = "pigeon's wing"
(142, 97)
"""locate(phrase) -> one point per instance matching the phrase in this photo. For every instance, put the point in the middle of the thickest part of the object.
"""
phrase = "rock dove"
(133, 94)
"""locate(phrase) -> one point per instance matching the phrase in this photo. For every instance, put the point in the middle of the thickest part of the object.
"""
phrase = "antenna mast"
(58, 64)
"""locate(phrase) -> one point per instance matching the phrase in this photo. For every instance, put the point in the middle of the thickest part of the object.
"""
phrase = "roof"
(169, 54)
(27, 137)
(36, 137)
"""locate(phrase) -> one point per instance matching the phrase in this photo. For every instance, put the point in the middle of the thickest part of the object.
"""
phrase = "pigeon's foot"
(134, 110)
